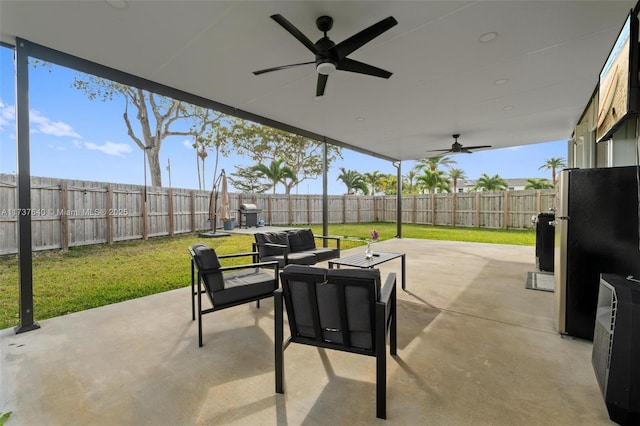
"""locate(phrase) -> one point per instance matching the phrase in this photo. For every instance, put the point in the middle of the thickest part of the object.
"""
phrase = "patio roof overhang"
(527, 84)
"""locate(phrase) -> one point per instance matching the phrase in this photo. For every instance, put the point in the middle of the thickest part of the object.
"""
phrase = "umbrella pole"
(213, 214)
(213, 202)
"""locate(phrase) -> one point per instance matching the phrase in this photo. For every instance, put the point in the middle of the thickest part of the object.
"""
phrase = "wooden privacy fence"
(68, 213)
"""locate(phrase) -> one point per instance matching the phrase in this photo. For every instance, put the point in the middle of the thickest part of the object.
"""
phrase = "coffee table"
(360, 261)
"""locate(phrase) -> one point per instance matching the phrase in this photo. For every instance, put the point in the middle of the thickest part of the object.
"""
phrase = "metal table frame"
(360, 261)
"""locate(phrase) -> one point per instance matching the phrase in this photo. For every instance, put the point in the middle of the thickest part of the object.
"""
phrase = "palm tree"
(432, 163)
(353, 180)
(553, 164)
(276, 173)
(389, 184)
(455, 175)
(409, 178)
(493, 183)
(373, 179)
(434, 179)
(542, 183)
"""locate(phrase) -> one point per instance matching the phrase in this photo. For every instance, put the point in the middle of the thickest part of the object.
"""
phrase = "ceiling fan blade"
(322, 83)
(477, 147)
(356, 41)
(362, 68)
(282, 67)
(295, 32)
(439, 150)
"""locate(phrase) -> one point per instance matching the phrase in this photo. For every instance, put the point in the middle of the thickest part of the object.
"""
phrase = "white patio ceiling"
(530, 84)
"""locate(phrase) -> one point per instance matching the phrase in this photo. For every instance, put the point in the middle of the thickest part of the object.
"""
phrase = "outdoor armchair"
(341, 309)
(246, 283)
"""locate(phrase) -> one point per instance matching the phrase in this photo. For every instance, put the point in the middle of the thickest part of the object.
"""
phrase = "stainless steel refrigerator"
(596, 232)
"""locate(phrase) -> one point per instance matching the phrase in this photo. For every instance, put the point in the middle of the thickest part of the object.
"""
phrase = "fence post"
(478, 209)
(453, 208)
(193, 210)
(538, 200)
(290, 200)
(109, 216)
(358, 209)
(269, 215)
(414, 210)
(505, 221)
(433, 208)
(171, 213)
(309, 217)
(344, 208)
(64, 216)
(145, 224)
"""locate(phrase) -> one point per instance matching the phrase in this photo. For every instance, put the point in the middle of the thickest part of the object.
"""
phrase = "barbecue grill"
(250, 213)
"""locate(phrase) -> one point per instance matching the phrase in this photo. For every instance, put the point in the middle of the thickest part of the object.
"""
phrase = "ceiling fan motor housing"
(326, 61)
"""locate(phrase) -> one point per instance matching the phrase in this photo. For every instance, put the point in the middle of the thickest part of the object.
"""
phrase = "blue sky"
(75, 138)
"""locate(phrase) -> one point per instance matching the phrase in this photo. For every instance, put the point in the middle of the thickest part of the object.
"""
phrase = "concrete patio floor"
(474, 348)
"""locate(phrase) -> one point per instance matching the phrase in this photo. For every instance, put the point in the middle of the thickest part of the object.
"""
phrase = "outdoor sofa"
(296, 246)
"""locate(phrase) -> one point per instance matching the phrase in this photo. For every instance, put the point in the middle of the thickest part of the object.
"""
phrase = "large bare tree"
(154, 117)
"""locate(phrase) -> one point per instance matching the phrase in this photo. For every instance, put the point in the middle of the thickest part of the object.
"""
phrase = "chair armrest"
(387, 288)
(249, 265)
(337, 239)
(282, 246)
(226, 256)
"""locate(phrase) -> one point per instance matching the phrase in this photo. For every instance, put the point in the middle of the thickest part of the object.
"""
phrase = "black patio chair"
(342, 309)
(247, 283)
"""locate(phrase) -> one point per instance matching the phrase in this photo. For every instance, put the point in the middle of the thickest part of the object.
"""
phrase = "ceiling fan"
(456, 147)
(331, 56)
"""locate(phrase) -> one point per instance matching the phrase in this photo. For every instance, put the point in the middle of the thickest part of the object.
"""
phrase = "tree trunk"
(153, 157)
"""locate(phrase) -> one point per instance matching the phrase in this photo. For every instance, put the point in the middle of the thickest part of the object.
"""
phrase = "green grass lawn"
(87, 277)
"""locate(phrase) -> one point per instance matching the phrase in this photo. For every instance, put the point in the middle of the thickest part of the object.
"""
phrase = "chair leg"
(381, 363)
(199, 314)
(279, 337)
(258, 304)
(193, 295)
(381, 385)
(394, 325)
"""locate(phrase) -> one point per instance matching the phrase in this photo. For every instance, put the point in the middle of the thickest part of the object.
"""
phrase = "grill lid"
(248, 206)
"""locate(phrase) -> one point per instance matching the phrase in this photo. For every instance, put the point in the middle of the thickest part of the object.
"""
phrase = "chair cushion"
(207, 262)
(273, 238)
(205, 257)
(301, 240)
(294, 258)
(245, 285)
(360, 274)
(323, 253)
(359, 303)
(299, 290)
(361, 290)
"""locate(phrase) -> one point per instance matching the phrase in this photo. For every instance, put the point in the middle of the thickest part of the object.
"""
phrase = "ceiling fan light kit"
(326, 68)
(330, 56)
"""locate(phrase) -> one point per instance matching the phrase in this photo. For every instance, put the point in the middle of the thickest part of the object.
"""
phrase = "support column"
(398, 166)
(325, 197)
(25, 259)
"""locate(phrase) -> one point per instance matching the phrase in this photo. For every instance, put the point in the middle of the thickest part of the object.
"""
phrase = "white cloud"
(109, 148)
(42, 124)
(7, 116)
(187, 144)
